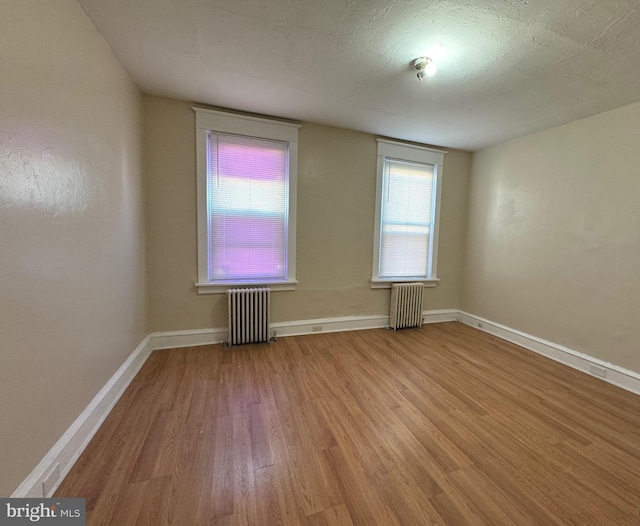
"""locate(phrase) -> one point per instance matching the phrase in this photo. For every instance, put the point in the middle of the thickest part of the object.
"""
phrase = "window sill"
(222, 287)
(386, 283)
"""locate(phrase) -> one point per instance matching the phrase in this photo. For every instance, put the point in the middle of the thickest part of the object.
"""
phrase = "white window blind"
(248, 208)
(405, 226)
(408, 192)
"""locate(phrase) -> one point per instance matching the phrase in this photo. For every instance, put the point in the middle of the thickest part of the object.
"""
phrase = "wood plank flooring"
(441, 425)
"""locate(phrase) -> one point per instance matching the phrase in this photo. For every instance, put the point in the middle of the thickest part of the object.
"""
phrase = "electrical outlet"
(598, 371)
(316, 328)
(50, 480)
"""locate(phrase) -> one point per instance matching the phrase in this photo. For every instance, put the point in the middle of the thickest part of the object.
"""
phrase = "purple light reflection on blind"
(257, 163)
(248, 208)
(249, 246)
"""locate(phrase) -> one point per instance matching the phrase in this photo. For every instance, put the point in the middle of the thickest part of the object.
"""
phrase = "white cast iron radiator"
(406, 305)
(249, 315)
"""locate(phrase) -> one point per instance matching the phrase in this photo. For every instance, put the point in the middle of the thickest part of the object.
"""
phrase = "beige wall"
(71, 237)
(336, 198)
(554, 236)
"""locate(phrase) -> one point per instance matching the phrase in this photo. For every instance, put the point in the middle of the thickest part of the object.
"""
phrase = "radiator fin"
(249, 315)
(406, 305)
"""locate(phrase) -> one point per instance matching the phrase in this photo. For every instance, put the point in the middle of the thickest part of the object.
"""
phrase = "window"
(407, 209)
(246, 201)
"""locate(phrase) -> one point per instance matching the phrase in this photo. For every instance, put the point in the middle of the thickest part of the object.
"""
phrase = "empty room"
(352, 262)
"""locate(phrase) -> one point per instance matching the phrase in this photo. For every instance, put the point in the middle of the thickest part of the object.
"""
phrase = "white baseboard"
(624, 378)
(189, 338)
(319, 325)
(439, 316)
(70, 446)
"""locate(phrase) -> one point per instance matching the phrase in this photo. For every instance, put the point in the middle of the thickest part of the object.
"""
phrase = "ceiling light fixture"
(425, 66)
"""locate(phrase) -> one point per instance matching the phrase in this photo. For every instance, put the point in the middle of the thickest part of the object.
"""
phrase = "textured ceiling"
(510, 67)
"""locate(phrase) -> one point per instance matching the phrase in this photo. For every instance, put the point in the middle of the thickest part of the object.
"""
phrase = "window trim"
(419, 154)
(218, 121)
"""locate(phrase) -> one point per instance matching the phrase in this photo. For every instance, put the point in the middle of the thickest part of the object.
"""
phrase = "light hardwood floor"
(441, 425)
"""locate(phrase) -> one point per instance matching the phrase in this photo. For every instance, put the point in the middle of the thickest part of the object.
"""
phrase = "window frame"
(237, 124)
(411, 153)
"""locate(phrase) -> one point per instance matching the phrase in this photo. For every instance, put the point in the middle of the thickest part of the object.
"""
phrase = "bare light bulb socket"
(425, 66)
